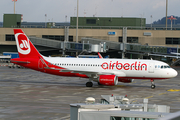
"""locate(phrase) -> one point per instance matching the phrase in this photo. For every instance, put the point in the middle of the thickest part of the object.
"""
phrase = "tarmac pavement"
(30, 95)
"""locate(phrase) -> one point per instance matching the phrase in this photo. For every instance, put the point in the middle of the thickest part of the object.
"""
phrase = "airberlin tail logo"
(23, 44)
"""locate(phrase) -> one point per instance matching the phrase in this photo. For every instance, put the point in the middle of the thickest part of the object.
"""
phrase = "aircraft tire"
(153, 86)
(89, 84)
(99, 83)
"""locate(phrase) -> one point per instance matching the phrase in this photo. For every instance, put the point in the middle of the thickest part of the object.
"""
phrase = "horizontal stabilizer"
(25, 62)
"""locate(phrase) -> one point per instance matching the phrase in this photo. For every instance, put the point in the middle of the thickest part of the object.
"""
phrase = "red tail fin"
(24, 46)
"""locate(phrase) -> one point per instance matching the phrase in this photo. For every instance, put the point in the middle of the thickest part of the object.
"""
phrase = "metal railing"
(60, 44)
(148, 49)
(46, 42)
(102, 27)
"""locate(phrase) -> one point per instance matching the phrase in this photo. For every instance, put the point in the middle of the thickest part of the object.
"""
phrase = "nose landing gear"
(152, 84)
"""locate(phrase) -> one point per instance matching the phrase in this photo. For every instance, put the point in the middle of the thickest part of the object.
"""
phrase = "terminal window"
(90, 21)
(70, 38)
(132, 39)
(54, 37)
(10, 38)
(172, 40)
(120, 39)
(129, 39)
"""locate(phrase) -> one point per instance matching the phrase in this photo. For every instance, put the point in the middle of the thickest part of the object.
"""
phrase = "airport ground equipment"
(114, 107)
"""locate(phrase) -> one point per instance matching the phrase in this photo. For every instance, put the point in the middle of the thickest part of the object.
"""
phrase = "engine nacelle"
(125, 80)
(108, 80)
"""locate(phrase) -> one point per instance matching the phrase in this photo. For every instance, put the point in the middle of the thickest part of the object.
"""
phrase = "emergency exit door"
(151, 67)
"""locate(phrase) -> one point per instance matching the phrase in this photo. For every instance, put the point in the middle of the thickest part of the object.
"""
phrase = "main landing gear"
(152, 84)
(89, 84)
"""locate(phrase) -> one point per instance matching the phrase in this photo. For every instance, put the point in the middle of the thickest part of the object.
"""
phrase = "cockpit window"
(165, 66)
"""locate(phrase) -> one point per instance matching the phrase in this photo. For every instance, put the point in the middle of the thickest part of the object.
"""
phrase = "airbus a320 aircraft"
(104, 71)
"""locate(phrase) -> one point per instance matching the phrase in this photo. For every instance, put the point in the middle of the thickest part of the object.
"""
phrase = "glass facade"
(10, 38)
(57, 37)
(175, 41)
(54, 37)
(90, 21)
(129, 39)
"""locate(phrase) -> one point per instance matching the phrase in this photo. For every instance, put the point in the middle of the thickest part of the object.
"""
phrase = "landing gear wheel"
(153, 86)
(99, 83)
(89, 84)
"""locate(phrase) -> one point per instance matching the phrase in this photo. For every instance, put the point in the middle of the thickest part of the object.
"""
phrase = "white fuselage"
(128, 68)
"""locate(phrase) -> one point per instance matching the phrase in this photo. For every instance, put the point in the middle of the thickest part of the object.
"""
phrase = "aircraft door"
(151, 68)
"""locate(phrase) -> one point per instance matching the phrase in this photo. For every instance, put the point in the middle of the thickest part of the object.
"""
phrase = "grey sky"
(56, 10)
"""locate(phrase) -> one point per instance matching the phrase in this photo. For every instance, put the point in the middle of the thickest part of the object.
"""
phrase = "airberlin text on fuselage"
(126, 66)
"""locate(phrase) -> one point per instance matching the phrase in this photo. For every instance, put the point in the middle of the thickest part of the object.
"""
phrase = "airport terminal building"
(129, 36)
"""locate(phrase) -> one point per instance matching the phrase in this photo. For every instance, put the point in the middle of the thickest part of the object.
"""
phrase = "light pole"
(14, 5)
(45, 20)
(166, 12)
(151, 21)
(172, 18)
(77, 22)
(77, 25)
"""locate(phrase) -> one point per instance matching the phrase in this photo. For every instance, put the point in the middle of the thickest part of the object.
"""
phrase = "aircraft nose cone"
(174, 73)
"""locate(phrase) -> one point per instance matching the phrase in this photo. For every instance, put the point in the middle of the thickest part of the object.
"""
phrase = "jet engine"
(108, 80)
(125, 80)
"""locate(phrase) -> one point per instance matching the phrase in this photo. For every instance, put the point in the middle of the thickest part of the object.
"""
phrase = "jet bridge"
(98, 45)
(69, 46)
(132, 48)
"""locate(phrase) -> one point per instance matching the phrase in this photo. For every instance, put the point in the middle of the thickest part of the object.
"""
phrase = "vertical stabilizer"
(24, 46)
